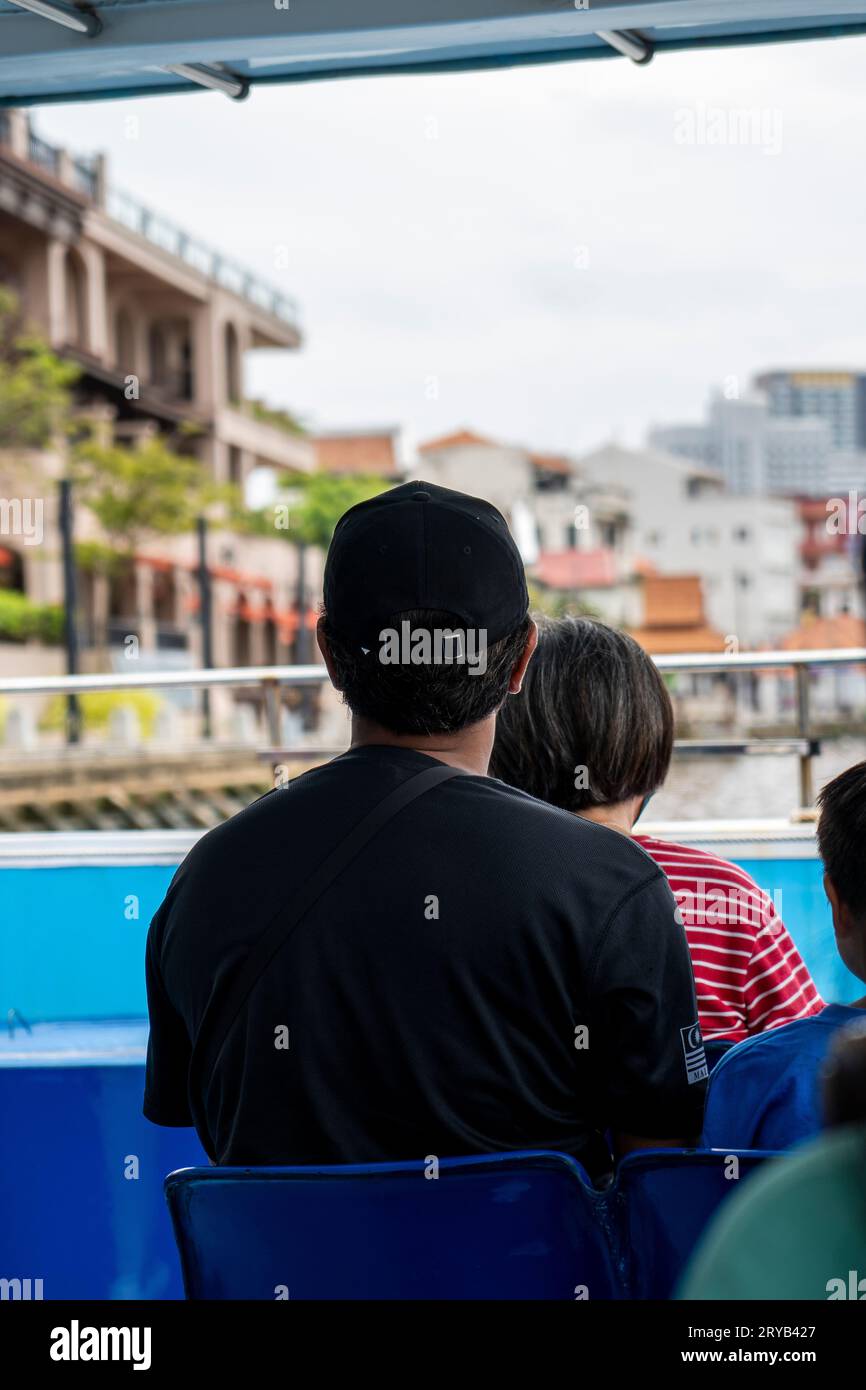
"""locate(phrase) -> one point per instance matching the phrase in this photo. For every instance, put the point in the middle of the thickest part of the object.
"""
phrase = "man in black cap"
(397, 956)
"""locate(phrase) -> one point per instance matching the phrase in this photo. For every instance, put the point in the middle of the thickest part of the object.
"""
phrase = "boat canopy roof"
(117, 48)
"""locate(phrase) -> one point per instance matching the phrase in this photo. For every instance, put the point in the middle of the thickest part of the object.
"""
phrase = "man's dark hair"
(424, 699)
(592, 700)
(842, 836)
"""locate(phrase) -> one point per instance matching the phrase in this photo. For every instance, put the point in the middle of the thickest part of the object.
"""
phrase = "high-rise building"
(838, 397)
(758, 450)
(754, 451)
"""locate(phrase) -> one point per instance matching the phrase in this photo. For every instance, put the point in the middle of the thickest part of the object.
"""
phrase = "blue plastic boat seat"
(507, 1226)
(662, 1202)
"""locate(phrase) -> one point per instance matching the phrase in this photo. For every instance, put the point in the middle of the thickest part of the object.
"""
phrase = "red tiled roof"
(663, 641)
(674, 617)
(673, 600)
(576, 569)
(371, 454)
(455, 440)
(822, 634)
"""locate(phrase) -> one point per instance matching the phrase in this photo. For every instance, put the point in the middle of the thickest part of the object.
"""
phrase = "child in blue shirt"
(765, 1092)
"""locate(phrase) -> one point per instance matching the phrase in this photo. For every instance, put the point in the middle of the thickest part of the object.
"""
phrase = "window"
(124, 342)
(76, 301)
(157, 355)
(232, 364)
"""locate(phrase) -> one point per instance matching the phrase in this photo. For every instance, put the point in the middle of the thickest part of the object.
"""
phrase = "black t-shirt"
(489, 974)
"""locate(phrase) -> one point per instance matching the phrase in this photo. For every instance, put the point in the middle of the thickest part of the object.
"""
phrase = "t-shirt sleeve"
(651, 1069)
(168, 1047)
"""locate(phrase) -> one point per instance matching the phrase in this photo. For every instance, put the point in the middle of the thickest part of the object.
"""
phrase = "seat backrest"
(715, 1050)
(515, 1225)
(662, 1201)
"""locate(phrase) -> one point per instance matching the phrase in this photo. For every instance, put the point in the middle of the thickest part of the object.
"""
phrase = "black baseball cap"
(423, 546)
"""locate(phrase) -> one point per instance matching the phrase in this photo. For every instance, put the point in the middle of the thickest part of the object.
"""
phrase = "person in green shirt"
(798, 1228)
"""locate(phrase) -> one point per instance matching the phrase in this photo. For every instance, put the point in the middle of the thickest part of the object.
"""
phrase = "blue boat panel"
(110, 1043)
(796, 886)
(81, 1182)
(72, 939)
(71, 946)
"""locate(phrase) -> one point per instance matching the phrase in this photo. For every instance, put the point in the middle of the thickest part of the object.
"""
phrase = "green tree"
(35, 385)
(136, 493)
(323, 500)
(307, 510)
(281, 419)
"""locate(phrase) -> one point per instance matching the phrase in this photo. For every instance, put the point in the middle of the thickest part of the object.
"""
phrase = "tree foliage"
(307, 511)
(134, 493)
(21, 619)
(35, 385)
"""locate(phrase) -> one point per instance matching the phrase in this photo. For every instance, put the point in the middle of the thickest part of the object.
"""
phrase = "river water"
(757, 785)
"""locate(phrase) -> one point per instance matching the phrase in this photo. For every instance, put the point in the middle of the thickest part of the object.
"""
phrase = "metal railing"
(802, 664)
(162, 232)
(269, 679)
(157, 229)
(41, 153)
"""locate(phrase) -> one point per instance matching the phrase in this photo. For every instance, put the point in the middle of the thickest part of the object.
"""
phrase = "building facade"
(837, 397)
(782, 438)
(159, 327)
(684, 522)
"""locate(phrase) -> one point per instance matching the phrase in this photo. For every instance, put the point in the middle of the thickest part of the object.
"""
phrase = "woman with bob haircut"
(593, 733)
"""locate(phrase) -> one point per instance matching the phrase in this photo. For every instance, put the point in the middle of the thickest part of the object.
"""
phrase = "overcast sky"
(550, 255)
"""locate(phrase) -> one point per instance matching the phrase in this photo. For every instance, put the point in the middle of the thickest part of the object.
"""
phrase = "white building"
(683, 521)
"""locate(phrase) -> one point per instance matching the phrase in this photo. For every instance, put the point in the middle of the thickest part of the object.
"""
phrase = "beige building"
(159, 326)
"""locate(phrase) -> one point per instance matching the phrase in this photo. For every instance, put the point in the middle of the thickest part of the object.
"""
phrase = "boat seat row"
(526, 1225)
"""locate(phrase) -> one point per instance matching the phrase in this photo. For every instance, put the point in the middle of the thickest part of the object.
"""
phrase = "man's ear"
(520, 668)
(322, 643)
(842, 924)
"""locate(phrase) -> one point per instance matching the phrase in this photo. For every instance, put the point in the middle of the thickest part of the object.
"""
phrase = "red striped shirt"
(749, 975)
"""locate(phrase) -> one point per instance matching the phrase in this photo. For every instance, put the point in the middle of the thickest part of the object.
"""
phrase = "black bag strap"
(215, 1030)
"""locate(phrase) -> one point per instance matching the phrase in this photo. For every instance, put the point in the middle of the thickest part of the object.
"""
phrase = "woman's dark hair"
(593, 725)
(842, 836)
(844, 1080)
(429, 698)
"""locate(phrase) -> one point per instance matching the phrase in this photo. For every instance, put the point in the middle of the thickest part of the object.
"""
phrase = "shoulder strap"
(215, 1029)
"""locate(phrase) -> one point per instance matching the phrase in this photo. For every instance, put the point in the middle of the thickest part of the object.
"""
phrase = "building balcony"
(119, 216)
(125, 210)
(238, 427)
